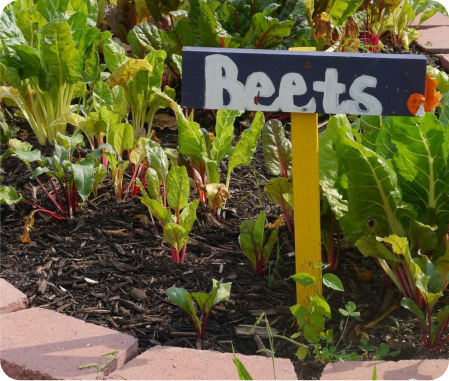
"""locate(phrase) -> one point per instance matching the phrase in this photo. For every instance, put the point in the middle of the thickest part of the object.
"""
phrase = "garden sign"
(304, 83)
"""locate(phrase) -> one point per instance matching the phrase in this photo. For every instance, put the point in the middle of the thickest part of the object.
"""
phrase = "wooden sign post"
(304, 83)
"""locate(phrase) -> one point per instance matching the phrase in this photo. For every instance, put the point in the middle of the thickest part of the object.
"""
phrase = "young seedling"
(202, 154)
(75, 179)
(348, 312)
(384, 351)
(171, 204)
(254, 244)
(205, 301)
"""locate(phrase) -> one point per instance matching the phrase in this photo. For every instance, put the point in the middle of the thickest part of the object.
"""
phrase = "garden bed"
(108, 267)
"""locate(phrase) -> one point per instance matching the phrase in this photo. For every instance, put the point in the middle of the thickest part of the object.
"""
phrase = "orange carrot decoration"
(429, 101)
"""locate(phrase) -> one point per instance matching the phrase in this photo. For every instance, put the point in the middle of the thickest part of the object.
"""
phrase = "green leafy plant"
(227, 24)
(202, 156)
(49, 53)
(405, 13)
(311, 320)
(254, 244)
(169, 191)
(420, 279)
(205, 301)
(400, 327)
(242, 371)
(386, 176)
(384, 351)
(141, 80)
(280, 192)
(74, 180)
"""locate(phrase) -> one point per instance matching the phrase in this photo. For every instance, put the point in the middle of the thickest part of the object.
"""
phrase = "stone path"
(434, 37)
(38, 344)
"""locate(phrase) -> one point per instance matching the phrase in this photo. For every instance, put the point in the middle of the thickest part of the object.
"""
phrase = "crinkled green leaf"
(277, 149)
(175, 235)
(242, 153)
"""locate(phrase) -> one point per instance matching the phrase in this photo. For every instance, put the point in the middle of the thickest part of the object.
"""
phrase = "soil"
(108, 266)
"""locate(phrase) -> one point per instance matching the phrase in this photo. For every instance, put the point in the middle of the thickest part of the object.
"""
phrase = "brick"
(11, 299)
(434, 40)
(438, 19)
(172, 363)
(40, 344)
(444, 61)
(386, 370)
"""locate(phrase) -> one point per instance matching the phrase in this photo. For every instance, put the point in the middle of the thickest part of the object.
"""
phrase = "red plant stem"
(174, 255)
(405, 284)
(442, 330)
(43, 210)
(287, 218)
(259, 43)
(174, 72)
(50, 196)
(56, 193)
(183, 253)
(133, 180)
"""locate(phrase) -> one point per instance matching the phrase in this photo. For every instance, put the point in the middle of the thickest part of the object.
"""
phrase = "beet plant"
(254, 244)
(49, 54)
(205, 301)
(167, 198)
(203, 154)
(71, 181)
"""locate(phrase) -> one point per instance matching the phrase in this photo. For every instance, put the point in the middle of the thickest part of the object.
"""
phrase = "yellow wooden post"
(306, 198)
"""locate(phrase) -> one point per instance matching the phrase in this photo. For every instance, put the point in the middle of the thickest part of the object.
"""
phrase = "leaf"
(121, 137)
(9, 196)
(188, 215)
(191, 140)
(342, 9)
(311, 333)
(421, 162)
(217, 194)
(157, 159)
(223, 292)
(331, 165)
(332, 281)
(268, 248)
(301, 353)
(276, 189)
(114, 54)
(304, 279)
(124, 73)
(10, 34)
(178, 188)
(24, 152)
(176, 236)
(242, 371)
(177, 296)
(224, 133)
(101, 96)
(243, 151)
(153, 184)
(28, 225)
(58, 51)
(411, 306)
(157, 210)
(373, 192)
(269, 32)
(84, 179)
(246, 240)
(370, 247)
(277, 149)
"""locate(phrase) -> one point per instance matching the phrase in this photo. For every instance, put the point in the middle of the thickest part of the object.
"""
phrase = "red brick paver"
(38, 343)
(444, 61)
(11, 299)
(171, 363)
(386, 370)
(434, 40)
(438, 19)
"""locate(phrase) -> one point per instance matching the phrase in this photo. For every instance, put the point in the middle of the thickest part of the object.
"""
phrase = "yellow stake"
(306, 199)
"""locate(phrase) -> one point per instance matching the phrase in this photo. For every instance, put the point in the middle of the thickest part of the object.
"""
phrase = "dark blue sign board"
(302, 82)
